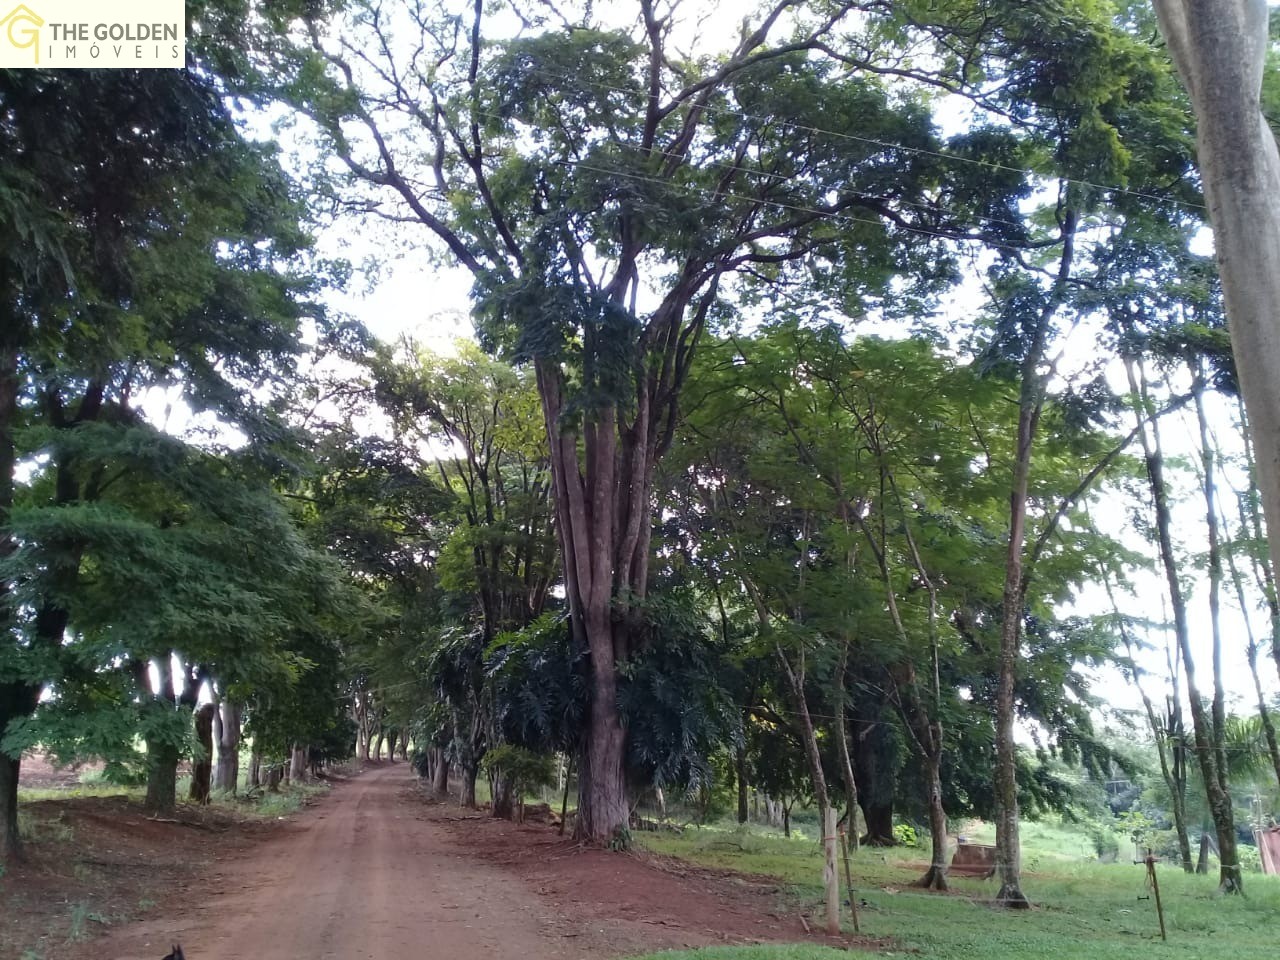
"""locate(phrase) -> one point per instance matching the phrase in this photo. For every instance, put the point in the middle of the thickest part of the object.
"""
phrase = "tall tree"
(603, 189)
(113, 283)
(1221, 52)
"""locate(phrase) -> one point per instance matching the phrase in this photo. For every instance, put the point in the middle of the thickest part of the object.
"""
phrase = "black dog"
(176, 954)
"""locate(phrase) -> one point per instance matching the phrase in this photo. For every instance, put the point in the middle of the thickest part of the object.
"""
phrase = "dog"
(176, 954)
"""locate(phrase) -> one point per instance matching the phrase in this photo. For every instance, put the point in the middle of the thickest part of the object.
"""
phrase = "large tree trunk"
(162, 756)
(1220, 50)
(876, 784)
(202, 768)
(227, 776)
(467, 794)
(879, 820)
(504, 801)
(440, 774)
(10, 767)
(298, 764)
(16, 699)
(162, 779)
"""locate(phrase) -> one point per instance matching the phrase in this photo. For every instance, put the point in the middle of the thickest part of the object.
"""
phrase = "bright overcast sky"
(407, 296)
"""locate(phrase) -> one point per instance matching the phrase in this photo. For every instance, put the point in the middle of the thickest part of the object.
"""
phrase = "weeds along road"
(362, 876)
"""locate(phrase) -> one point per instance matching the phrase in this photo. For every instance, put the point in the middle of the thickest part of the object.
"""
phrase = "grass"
(290, 798)
(1082, 908)
(783, 952)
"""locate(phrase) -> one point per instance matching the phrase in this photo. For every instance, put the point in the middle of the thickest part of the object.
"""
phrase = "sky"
(407, 296)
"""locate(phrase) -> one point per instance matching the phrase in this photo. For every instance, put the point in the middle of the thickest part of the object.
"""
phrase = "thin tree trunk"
(740, 768)
(807, 732)
(842, 744)
(1031, 399)
(1202, 725)
(255, 766)
(935, 877)
(1220, 804)
(1251, 652)
(1160, 732)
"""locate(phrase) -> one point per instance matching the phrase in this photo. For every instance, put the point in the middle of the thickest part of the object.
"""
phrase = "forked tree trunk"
(202, 767)
(255, 767)
(392, 736)
(227, 775)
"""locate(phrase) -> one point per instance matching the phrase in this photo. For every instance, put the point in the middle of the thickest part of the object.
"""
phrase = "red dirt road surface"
(374, 873)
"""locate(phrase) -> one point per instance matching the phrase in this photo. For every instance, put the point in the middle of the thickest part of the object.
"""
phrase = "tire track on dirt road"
(363, 876)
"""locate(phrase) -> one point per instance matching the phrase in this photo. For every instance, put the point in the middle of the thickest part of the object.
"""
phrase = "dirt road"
(365, 876)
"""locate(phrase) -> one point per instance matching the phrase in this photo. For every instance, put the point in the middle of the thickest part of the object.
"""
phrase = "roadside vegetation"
(855, 425)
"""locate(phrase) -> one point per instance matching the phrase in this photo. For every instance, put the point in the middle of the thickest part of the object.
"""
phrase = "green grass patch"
(1082, 908)
(782, 952)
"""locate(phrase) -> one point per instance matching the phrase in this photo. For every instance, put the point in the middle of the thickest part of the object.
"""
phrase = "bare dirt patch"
(40, 772)
(94, 863)
(636, 902)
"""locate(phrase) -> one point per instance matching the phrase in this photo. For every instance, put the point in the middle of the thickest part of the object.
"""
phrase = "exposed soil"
(40, 772)
(95, 863)
(373, 870)
(637, 902)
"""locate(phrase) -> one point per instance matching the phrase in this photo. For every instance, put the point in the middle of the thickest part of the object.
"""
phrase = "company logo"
(62, 34)
(22, 30)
